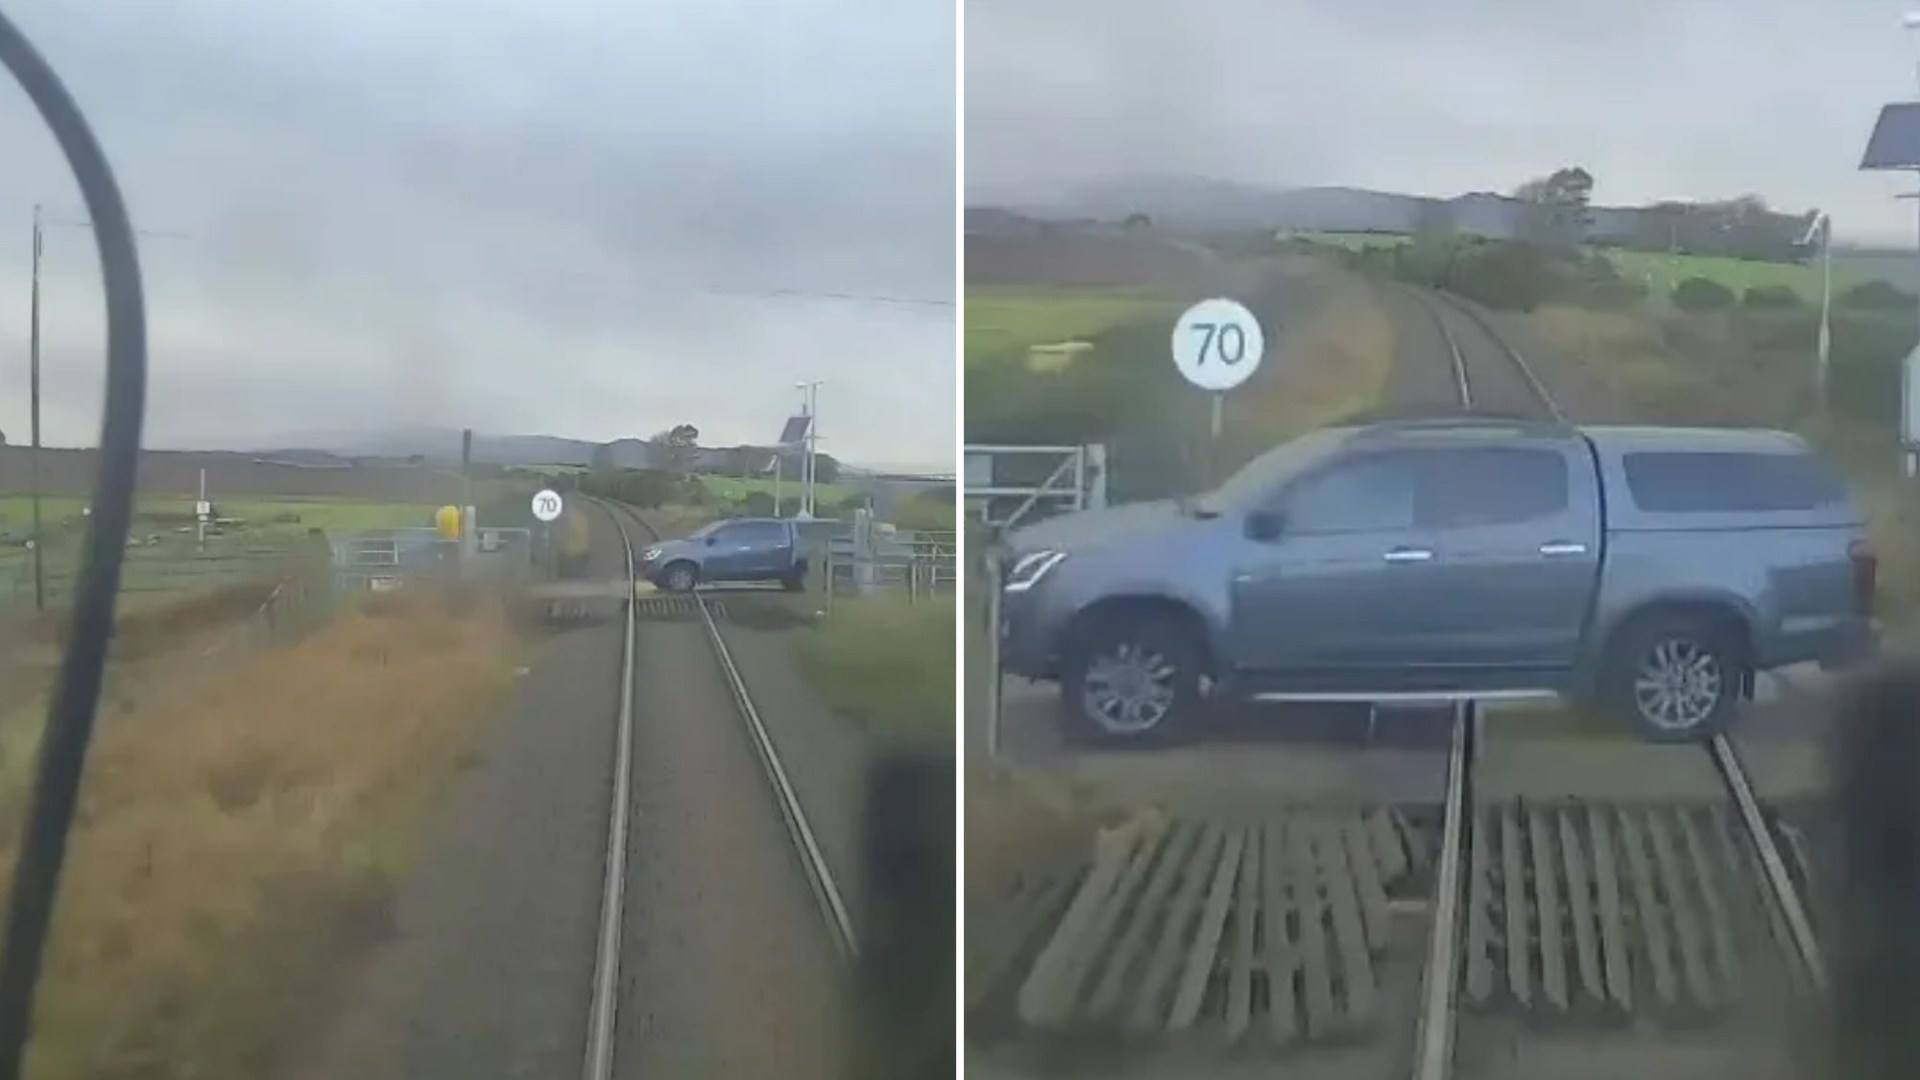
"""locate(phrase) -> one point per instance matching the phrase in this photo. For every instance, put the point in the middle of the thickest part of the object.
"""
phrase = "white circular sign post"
(1217, 345)
(546, 505)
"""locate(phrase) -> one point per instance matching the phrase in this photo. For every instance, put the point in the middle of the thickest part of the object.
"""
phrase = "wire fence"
(293, 609)
(921, 564)
(155, 567)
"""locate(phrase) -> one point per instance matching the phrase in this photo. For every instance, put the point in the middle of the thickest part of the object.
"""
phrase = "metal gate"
(1008, 484)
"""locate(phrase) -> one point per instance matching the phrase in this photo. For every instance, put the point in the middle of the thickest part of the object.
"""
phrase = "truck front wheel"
(1130, 680)
(680, 577)
(1676, 678)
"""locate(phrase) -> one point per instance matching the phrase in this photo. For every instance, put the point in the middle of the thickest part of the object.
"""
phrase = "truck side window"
(1722, 482)
(1370, 494)
(752, 534)
(1483, 486)
(769, 534)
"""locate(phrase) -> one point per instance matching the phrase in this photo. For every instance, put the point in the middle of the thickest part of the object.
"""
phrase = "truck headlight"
(1029, 569)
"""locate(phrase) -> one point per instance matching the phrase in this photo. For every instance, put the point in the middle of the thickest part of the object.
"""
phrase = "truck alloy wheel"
(1128, 689)
(1131, 680)
(1676, 678)
(1678, 685)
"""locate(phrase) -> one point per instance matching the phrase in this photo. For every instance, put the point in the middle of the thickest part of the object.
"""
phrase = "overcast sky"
(1657, 98)
(522, 217)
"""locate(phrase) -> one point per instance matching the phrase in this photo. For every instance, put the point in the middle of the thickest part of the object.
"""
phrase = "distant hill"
(441, 446)
(1185, 204)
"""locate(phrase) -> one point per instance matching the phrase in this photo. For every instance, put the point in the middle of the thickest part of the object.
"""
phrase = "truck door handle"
(1563, 548)
(1400, 555)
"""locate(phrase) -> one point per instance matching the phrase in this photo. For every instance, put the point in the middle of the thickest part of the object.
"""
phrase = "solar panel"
(1896, 138)
(795, 429)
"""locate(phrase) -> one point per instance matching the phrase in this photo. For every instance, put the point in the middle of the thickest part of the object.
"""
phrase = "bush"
(927, 510)
(1864, 382)
(644, 488)
(647, 488)
(1427, 261)
(1876, 296)
(758, 504)
(1702, 294)
(1614, 295)
(1506, 276)
(1771, 296)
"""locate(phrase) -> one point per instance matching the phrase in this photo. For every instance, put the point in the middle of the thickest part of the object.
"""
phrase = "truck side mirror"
(1265, 525)
(712, 540)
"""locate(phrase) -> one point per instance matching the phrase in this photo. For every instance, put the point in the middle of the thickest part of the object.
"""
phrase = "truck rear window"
(1723, 482)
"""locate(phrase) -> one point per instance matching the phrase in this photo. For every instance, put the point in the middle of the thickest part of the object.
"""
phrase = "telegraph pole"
(810, 406)
(33, 391)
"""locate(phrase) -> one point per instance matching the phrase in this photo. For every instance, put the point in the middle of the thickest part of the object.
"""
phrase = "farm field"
(1352, 241)
(165, 560)
(1660, 273)
(1000, 318)
(739, 487)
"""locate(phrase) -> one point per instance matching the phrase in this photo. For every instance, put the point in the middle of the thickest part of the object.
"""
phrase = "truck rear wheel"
(1131, 680)
(1676, 678)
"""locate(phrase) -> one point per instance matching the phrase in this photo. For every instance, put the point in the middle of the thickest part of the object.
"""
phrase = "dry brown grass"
(1676, 369)
(152, 628)
(1332, 364)
(238, 846)
(1017, 821)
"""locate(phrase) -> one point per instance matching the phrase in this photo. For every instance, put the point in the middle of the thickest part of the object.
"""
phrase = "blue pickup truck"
(1652, 571)
(734, 550)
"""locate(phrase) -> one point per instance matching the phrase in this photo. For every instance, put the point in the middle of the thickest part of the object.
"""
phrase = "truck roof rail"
(1519, 423)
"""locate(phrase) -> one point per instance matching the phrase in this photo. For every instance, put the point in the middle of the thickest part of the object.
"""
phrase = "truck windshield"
(704, 531)
(1263, 474)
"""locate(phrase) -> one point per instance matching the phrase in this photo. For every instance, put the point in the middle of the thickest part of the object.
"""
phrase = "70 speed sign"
(1217, 344)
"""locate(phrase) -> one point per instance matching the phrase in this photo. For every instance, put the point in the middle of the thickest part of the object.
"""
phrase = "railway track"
(1680, 860)
(605, 1031)
(1513, 929)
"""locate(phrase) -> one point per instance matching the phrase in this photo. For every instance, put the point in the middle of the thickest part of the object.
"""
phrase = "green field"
(1660, 273)
(1352, 241)
(999, 320)
(165, 559)
(739, 487)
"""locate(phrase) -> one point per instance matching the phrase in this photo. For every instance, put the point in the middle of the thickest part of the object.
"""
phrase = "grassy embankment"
(1332, 361)
(240, 845)
(886, 664)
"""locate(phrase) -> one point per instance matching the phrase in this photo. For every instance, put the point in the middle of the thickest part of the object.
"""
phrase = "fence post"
(826, 574)
(993, 654)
